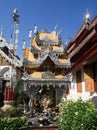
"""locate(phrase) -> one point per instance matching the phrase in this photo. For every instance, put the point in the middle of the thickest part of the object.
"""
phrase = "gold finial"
(87, 16)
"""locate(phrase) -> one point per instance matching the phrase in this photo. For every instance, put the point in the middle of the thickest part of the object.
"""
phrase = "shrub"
(12, 124)
(15, 112)
(79, 115)
(8, 123)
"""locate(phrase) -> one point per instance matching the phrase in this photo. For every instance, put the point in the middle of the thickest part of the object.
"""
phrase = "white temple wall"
(74, 95)
(73, 89)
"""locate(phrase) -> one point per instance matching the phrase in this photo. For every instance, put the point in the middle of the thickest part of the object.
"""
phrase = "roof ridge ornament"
(15, 15)
(30, 36)
(87, 17)
(30, 33)
(24, 44)
(1, 32)
(56, 27)
(35, 29)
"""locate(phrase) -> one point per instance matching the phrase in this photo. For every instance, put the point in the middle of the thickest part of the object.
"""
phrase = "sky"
(68, 15)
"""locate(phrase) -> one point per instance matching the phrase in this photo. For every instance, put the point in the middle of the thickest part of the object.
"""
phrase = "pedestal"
(8, 105)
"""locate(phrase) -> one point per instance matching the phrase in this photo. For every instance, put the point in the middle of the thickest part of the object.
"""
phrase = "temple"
(9, 75)
(49, 71)
(45, 63)
(10, 65)
(82, 52)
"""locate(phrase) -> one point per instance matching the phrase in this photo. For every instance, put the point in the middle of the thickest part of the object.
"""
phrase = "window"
(79, 81)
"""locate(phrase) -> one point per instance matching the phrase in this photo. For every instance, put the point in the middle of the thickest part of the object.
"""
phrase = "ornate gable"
(47, 63)
(45, 46)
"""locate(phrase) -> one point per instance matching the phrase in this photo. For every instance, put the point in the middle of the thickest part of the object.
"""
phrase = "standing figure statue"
(30, 94)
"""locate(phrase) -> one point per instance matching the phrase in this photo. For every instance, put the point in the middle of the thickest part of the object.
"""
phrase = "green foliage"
(12, 124)
(9, 123)
(16, 111)
(79, 115)
(19, 88)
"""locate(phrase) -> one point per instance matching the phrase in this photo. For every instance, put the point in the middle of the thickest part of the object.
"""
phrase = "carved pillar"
(9, 94)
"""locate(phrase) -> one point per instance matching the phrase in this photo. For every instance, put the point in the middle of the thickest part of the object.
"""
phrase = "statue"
(30, 93)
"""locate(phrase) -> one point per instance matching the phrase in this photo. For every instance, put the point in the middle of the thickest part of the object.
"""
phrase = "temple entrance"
(49, 97)
(46, 98)
(43, 101)
(2, 88)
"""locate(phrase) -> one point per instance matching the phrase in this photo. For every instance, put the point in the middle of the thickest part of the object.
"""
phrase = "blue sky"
(67, 14)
